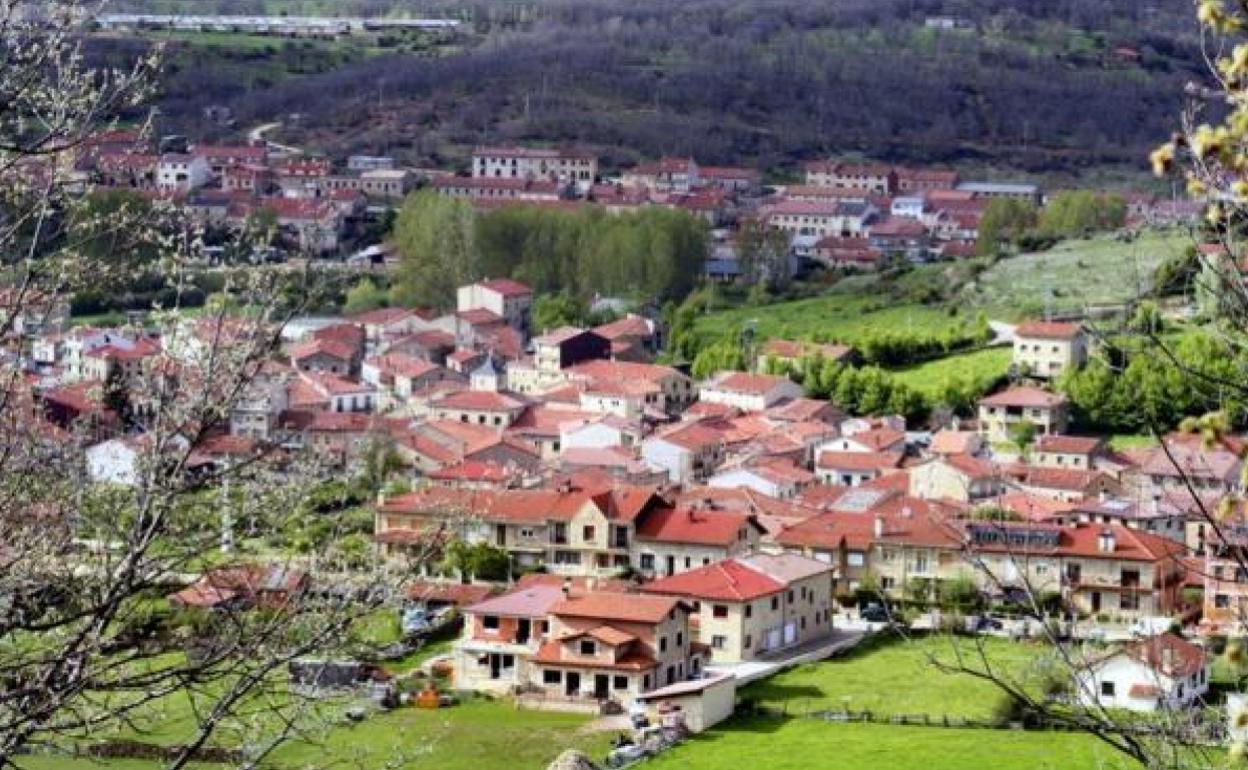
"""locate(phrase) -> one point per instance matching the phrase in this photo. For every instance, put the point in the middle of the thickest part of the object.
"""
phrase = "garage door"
(773, 638)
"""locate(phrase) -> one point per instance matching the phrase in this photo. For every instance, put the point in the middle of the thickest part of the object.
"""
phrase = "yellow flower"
(1162, 159)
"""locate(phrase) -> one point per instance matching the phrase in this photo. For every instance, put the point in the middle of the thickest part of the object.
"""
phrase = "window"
(620, 683)
(662, 644)
(749, 642)
(775, 602)
(790, 597)
(647, 562)
(526, 532)
(1107, 689)
(588, 647)
(749, 610)
(552, 677)
(489, 622)
(587, 533)
(680, 639)
(719, 611)
(719, 642)
(855, 559)
(1221, 601)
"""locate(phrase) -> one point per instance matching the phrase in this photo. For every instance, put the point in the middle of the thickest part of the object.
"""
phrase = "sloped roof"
(727, 580)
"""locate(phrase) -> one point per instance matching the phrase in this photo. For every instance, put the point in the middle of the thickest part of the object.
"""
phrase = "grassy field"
(477, 735)
(839, 317)
(898, 677)
(1098, 271)
(802, 744)
(982, 366)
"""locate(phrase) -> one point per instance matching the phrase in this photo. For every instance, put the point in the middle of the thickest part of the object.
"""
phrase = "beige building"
(752, 605)
(960, 478)
(534, 164)
(875, 178)
(998, 413)
(1045, 350)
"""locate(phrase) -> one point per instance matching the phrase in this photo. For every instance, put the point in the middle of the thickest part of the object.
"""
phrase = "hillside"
(763, 83)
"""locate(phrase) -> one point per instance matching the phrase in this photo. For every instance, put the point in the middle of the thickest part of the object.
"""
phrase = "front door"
(1096, 601)
(602, 686)
(572, 683)
(496, 665)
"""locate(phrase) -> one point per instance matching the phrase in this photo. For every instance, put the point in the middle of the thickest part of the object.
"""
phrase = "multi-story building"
(749, 392)
(998, 413)
(510, 300)
(1046, 349)
(749, 606)
(875, 178)
(820, 219)
(534, 164)
(614, 646)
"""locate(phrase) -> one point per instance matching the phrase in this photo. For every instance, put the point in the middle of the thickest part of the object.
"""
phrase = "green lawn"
(982, 366)
(805, 744)
(476, 735)
(895, 676)
(838, 316)
(479, 735)
(1096, 271)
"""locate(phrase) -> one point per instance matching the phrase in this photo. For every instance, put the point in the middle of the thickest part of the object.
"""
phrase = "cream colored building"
(998, 413)
(534, 164)
(752, 605)
(1045, 350)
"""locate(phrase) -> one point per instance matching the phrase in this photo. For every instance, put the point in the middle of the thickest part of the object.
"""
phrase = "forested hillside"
(1030, 84)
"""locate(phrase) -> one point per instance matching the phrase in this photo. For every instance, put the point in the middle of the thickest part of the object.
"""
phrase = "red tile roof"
(729, 580)
(1168, 654)
(859, 461)
(506, 286)
(1083, 445)
(1048, 330)
(1024, 396)
(627, 608)
(686, 525)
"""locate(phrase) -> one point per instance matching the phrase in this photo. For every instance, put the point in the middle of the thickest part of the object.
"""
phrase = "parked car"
(876, 613)
(981, 623)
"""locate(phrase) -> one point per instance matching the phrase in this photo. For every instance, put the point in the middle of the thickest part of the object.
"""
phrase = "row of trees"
(1068, 214)
(445, 243)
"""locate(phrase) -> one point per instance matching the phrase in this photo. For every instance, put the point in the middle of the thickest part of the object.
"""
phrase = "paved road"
(256, 135)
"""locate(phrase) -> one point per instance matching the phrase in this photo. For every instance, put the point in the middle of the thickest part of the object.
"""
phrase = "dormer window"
(588, 647)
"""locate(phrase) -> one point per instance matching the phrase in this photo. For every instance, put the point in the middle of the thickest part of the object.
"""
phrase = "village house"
(676, 390)
(608, 646)
(1000, 412)
(875, 178)
(1104, 570)
(749, 606)
(779, 478)
(687, 453)
(1225, 581)
(1154, 516)
(667, 175)
(792, 353)
(819, 219)
(1160, 673)
(671, 540)
(1057, 451)
(500, 636)
(182, 173)
(1046, 349)
(749, 392)
(958, 477)
(507, 299)
(632, 338)
(483, 190)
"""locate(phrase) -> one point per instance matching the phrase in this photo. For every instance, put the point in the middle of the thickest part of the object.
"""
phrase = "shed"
(705, 702)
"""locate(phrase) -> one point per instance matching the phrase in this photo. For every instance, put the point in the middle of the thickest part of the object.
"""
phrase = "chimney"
(879, 526)
(567, 587)
(1105, 541)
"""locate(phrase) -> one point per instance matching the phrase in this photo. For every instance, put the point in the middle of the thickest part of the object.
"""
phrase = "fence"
(1210, 733)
